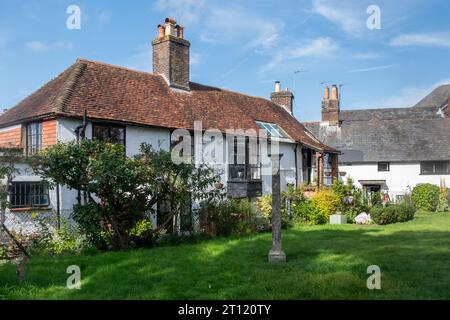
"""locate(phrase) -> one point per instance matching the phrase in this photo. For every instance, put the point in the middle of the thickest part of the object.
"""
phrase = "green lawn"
(325, 262)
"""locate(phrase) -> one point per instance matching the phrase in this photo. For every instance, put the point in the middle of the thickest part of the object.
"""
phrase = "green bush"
(142, 233)
(327, 201)
(305, 212)
(444, 200)
(425, 196)
(227, 217)
(392, 214)
(264, 205)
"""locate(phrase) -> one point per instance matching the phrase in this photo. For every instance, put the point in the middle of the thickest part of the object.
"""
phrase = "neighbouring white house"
(95, 100)
(390, 150)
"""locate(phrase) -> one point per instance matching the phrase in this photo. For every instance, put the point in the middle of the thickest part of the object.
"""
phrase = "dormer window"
(273, 130)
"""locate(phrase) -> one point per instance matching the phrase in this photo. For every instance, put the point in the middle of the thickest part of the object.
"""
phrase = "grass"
(324, 262)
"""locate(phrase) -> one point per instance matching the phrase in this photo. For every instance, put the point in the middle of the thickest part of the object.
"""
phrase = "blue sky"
(241, 45)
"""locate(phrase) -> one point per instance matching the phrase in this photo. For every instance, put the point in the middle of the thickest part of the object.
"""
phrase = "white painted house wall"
(159, 139)
(402, 177)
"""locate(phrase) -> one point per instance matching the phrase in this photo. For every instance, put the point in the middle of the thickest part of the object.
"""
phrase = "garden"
(111, 238)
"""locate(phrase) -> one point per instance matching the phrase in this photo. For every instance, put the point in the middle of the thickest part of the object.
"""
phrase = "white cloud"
(41, 47)
(409, 96)
(105, 17)
(195, 58)
(37, 46)
(371, 69)
(350, 20)
(367, 56)
(142, 59)
(322, 47)
(236, 23)
(422, 39)
(187, 12)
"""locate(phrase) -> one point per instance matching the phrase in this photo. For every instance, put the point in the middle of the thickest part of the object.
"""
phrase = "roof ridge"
(69, 86)
(116, 67)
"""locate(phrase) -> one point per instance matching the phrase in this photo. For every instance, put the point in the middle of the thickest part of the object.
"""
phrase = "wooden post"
(276, 254)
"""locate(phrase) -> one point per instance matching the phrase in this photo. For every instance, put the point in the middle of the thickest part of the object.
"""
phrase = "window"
(109, 133)
(435, 167)
(273, 130)
(245, 166)
(29, 194)
(34, 137)
(384, 166)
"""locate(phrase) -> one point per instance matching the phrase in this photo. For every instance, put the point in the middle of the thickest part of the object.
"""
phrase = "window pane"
(27, 194)
(109, 134)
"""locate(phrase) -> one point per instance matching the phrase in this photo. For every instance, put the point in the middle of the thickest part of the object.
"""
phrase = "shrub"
(327, 201)
(392, 214)
(425, 196)
(306, 212)
(443, 201)
(52, 241)
(142, 233)
(227, 217)
(264, 205)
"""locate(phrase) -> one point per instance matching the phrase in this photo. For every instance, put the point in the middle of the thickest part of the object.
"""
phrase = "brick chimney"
(331, 106)
(283, 98)
(171, 55)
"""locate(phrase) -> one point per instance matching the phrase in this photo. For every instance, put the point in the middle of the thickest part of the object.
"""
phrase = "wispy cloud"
(195, 58)
(236, 23)
(367, 56)
(236, 67)
(422, 39)
(322, 47)
(409, 96)
(141, 60)
(41, 47)
(105, 17)
(188, 11)
(371, 69)
(349, 19)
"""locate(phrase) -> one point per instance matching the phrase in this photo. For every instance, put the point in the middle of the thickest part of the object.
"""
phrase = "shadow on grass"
(323, 263)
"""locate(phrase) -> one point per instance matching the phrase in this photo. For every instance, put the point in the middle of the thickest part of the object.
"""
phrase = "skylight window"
(273, 130)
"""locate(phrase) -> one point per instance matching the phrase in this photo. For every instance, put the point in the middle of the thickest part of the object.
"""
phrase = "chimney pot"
(180, 32)
(335, 93)
(277, 86)
(161, 31)
(326, 95)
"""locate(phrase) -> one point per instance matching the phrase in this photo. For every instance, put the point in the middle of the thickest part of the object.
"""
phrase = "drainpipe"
(80, 131)
(58, 207)
(296, 165)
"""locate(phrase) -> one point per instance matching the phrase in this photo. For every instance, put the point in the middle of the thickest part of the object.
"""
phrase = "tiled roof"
(377, 135)
(118, 94)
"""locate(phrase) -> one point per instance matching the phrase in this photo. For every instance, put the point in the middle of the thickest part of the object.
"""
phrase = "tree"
(119, 190)
(9, 157)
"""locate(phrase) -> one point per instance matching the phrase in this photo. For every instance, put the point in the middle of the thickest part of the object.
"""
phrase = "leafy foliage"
(327, 201)
(226, 217)
(120, 190)
(444, 200)
(352, 199)
(305, 212)
(425, 196)
(264, 205)
(392, 213)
